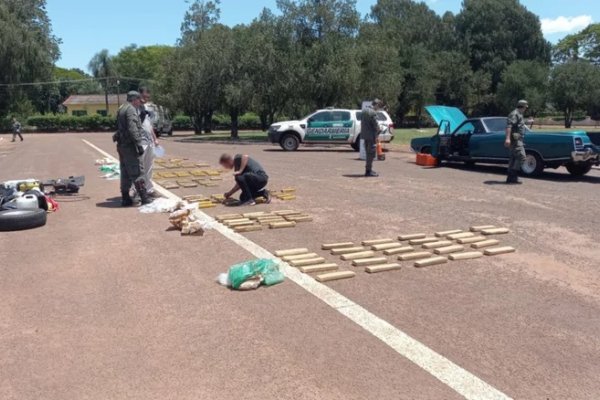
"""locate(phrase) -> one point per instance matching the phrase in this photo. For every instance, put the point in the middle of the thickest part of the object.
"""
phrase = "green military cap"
(522, 103)
(133, 95)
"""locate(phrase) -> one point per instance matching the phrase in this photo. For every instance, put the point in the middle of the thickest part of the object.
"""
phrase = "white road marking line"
(451, 374)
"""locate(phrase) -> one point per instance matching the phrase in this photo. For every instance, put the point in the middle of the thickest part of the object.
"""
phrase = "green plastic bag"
(267, 269)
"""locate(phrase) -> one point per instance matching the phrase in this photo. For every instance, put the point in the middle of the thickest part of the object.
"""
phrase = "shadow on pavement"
(354, 176)
(114, 202)
(547, 175)
(491, 183)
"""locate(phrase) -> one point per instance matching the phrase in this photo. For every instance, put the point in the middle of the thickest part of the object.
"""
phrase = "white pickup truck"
(329, 126)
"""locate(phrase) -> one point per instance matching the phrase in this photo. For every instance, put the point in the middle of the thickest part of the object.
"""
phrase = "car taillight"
(391, 126)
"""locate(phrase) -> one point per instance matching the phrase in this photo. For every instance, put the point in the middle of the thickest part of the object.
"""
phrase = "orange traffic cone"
(380, 153)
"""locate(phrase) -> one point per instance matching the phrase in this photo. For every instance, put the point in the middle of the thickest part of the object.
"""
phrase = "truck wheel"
(578, 169)
(18, 220)
(289, 142)
(356, 144)
(533, 165)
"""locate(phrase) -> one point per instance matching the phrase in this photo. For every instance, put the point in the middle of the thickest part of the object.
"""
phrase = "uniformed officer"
(369, 131)
(129, 146)
(515, 133)
(16, 128)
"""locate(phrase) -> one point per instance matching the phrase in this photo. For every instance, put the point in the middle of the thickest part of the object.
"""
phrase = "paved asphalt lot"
(105, 303)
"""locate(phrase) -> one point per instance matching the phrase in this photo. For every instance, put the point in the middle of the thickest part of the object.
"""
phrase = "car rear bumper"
(588, 155)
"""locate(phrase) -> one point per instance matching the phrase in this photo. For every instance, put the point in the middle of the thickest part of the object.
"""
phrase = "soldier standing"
(369, 131)
(129, 146)
(16, 128)
(515, 133)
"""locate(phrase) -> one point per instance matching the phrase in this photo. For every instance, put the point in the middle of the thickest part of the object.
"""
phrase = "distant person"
(149, 140)
(369, 132)
(130, 148)
(250, 178)
(515, 134)
(16, 129)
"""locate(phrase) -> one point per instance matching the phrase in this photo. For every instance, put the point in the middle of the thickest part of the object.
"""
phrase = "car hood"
(451, 114)
(288, 123)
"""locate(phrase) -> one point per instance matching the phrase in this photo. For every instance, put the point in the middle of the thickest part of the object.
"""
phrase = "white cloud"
(565, 24)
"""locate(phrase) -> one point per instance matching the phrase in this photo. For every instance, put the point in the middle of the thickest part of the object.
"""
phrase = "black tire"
(289, 142)
(578, 169)
(19, 220)
(170, 132)
(534, 165)
(356, 144)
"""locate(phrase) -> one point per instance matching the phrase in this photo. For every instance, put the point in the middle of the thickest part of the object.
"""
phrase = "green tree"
(200, 17)
(410, 34)
(102, 68)
(324, 35)
(497, 33)
(28, 50)
(573, 87)
(524, 80)
(138, 66)
(584, 45)
(271, 66)
(195, 74)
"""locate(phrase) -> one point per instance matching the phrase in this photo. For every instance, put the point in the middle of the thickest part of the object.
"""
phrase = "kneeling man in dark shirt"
(250, 178)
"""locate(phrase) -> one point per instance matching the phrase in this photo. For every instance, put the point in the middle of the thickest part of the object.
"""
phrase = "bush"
(182, 123)
(5, 124)
(249, 121)
(66, 123)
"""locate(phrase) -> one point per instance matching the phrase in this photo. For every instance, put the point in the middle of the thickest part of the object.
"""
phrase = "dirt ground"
(105, 303)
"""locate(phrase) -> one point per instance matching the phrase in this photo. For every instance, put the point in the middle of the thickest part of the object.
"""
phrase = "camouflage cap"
(133, 95)
(522, 103)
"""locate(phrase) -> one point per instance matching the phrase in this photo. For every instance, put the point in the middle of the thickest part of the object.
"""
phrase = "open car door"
(447, 119)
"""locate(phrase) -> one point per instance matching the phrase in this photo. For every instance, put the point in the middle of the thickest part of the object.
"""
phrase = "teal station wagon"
(481, 140)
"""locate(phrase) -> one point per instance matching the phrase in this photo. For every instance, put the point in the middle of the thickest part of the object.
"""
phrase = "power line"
(123, 78)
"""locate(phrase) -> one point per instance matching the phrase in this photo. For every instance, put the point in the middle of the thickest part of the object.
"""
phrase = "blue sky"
(88, 26)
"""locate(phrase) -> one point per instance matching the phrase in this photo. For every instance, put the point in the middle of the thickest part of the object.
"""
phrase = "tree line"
(311, 54)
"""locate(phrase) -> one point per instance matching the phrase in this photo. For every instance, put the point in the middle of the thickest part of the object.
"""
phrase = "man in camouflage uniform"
(369, 132)
(129, 146)
(515, 133)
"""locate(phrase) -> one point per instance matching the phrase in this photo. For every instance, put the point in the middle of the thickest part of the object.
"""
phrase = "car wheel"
(533, 165)
(18, 220)
(356, 144)
(578, 169)
(290, 142)
(170, 132)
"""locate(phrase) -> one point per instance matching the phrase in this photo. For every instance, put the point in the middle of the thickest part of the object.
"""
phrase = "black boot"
(371, 174)
(126, 200)
(140, 188)
(513, 178)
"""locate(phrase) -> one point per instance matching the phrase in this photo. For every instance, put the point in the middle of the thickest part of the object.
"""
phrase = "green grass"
(404, 136)
(244, 136)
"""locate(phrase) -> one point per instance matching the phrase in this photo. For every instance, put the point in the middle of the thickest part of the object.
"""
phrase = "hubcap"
(289, 143)
(529, 165)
